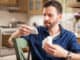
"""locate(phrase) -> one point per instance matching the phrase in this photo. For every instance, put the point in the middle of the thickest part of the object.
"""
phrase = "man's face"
(51, 16)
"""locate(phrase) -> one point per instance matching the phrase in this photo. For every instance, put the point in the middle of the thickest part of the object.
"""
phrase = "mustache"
(46, 22)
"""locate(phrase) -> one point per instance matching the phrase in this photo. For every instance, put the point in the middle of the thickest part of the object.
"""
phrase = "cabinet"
(5, 40)
(34, 7)
(8, 2)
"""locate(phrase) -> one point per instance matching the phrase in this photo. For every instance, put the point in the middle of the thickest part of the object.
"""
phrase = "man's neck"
(54, 30)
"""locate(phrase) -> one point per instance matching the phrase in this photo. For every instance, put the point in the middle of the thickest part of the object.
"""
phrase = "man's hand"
(25, 30)
(21, 31)
(55, 50)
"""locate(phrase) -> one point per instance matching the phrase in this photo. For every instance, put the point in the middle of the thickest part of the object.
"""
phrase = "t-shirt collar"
(61, 30)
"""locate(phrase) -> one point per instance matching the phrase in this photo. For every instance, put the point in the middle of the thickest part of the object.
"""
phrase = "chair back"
(20, 43)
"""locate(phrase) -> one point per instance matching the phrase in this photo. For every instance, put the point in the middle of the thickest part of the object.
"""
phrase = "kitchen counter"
(7, 31)
(5, 34)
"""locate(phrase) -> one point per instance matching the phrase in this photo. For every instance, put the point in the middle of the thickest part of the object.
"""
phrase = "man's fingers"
(49, 50)
(24, 30)
(27, 27)
(50, 46)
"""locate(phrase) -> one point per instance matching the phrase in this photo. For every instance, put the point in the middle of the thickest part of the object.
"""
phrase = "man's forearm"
(72, 56)
(14, 35)
(75, 56)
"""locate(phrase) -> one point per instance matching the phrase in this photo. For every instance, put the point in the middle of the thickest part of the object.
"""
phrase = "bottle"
(34, 30)
(48, 39)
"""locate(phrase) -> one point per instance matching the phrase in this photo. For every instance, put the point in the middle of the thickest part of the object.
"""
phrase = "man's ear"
(60, 16)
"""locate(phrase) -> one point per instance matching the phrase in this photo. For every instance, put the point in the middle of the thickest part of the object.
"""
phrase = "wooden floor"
(8, 54)
(6, 51)
(11, 57)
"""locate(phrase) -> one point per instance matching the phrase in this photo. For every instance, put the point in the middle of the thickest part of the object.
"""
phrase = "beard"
(49, 25)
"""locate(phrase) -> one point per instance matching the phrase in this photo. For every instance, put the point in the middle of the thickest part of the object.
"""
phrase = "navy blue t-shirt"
(65, 39)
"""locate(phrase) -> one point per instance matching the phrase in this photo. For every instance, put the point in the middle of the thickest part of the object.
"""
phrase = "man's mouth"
(46, 22)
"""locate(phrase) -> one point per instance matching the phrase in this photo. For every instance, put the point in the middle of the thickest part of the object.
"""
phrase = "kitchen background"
(13, 13)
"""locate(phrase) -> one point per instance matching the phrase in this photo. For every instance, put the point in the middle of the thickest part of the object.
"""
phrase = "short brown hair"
(55, 4)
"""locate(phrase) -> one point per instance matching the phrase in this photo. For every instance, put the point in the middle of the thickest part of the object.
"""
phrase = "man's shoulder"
(40, 27)
(69, 33)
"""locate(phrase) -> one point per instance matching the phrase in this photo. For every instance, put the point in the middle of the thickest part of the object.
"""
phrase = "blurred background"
(14, 13)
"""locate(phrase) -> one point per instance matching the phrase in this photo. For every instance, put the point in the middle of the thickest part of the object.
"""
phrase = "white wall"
(38, 19)
(68, 21)
(6, 17)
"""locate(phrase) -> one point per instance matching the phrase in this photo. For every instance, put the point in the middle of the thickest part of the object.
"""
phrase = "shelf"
(8, 2)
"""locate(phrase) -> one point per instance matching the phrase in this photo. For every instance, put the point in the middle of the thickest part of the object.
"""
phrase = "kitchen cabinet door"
(8, 2)
(34, 7)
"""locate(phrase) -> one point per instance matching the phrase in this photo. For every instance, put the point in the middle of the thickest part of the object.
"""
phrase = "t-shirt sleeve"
(74, 45)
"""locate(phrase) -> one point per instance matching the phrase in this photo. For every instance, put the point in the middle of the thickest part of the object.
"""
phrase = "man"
(64, 44)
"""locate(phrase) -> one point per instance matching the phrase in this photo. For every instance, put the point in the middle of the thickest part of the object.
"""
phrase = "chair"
(20, 43)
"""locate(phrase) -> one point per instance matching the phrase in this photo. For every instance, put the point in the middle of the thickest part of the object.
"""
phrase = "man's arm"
(75, 56)
(13, 35)
(75, 47)
(58, 51)
(24, 30)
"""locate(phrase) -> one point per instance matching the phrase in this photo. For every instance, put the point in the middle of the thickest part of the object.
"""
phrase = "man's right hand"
(23, 30)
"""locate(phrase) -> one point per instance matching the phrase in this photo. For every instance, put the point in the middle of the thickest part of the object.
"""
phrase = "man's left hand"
(55, 50)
